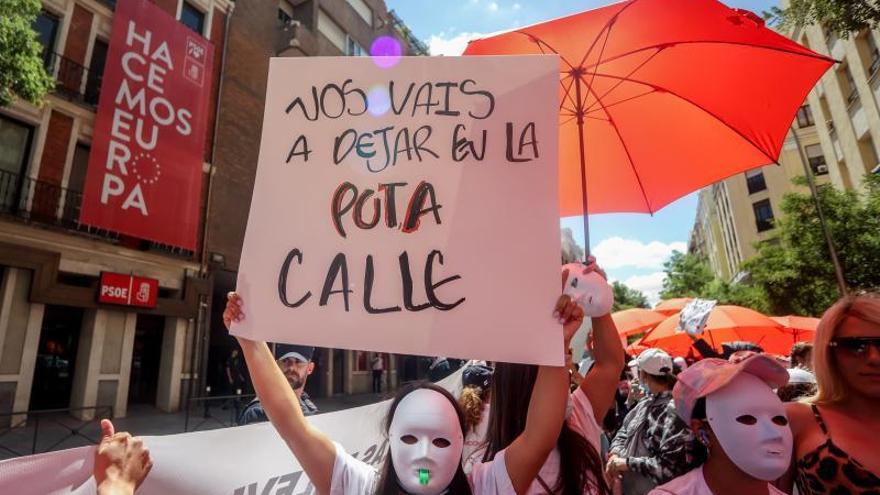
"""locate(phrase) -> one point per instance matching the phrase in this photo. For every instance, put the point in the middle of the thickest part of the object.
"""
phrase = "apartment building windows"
(46, 26)
(763, 215)
(192, 18)
(354, 48)
(363, 10)
(96, 71)
(848, 84)
(332, 31)
(15, 142)
(285, 12)
(755, 181)
(816, 159)
(867, 47)
(805, 117)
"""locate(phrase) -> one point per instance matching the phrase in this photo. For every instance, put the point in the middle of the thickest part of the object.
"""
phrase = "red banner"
(128, 290)
(145, 169)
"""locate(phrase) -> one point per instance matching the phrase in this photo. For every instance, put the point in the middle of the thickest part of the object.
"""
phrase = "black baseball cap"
(302, 353)
(477, 375)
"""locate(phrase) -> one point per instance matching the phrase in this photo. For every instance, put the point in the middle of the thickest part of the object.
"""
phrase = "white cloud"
(650, 285)
(516, 6)
(493, 7)
(617, 252)
(440, 44)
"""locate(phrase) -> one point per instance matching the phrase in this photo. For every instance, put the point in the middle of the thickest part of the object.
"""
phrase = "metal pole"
(808, 171)
(579, 112)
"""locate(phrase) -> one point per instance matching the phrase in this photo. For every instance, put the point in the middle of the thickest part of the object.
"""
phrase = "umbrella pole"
(579, 109)
(808, 171)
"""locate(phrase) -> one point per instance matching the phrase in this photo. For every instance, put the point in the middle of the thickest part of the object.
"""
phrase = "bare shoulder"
(799, 416)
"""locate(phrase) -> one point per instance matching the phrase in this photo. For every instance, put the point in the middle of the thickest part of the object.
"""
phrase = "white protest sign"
(695, 315)
(410, 209)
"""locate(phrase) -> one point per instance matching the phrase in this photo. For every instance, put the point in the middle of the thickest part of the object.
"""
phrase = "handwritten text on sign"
(408, 209)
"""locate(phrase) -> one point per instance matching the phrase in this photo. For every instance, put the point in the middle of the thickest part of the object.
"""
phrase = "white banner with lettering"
(244, 460)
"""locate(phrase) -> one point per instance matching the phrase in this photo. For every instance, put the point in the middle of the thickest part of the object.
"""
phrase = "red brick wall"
(218, 30)
(46, 194)
(169, 6)
(71, 72)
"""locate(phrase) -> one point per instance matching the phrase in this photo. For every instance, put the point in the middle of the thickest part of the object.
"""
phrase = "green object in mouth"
(424, 477)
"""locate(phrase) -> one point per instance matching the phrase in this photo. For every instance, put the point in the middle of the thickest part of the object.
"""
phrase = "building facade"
(59, 346)
(834, 133)
(261, 29)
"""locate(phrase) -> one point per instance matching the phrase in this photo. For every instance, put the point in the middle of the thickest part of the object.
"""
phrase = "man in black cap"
(296, 363)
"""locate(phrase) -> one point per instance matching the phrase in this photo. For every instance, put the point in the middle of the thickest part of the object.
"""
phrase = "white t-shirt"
(693, 483)
(582, 421)
(474, 447)
(355, 477)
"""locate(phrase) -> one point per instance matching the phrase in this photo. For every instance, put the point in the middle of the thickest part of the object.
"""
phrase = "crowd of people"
(736, 422)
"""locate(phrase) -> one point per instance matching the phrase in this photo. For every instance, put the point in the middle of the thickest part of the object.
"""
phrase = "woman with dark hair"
(574, 467)
(425, 428)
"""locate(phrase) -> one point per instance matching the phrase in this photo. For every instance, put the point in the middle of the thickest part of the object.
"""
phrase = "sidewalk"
(64, 432)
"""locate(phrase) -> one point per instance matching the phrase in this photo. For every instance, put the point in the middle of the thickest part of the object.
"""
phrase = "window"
(363, 10)
(96, 72)
(816, 159)
(332, 31)
(46, 26)
(805, 117)
(354, 48)
(763, 215)
(285, 12)
(755, 181)
(873, 54)
(15, 140)
(360, 361)
(192, 18)
(849, 85)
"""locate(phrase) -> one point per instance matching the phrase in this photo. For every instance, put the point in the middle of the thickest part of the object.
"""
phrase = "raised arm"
(527, 453)
(314, 451)
(601, 381)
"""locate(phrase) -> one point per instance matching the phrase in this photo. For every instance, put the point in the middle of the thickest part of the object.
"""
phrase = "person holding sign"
(122, 462)
(425, 426)
(574, 466)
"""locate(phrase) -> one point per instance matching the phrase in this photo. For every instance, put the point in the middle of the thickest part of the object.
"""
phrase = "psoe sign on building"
(145, 170)
(128, 290)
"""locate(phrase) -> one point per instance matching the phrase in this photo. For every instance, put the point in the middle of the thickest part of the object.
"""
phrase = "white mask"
(591, 291)
(750, 423)
(426, 442)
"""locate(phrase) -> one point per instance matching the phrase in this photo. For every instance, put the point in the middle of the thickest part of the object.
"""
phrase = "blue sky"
(631, 247)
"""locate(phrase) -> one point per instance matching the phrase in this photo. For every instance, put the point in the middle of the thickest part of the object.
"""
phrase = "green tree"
(22, 72)
(626, 297)
(794, 270)
(839, 16)
(687, 275)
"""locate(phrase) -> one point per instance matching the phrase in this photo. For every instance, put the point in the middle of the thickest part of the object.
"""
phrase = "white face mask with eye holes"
(426, 442)
(750, 423)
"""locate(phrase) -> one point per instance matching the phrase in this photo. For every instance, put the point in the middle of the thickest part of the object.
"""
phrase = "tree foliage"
(22, 72)
(839, 16)
(626, 297)
(688, 275)
(795, 270)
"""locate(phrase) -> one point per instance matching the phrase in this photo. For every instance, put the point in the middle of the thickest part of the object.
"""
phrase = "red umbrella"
(662, 97)
(801, 328)
(725, 324)
(670, 307)
(636, 320)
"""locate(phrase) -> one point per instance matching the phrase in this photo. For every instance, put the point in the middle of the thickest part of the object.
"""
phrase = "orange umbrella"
(635, 349)
(636, 320)
(801, 328)
(659, 98)
(725, 324)
(670, 307)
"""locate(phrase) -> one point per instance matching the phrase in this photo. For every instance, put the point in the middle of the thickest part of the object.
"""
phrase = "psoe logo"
(195, 50)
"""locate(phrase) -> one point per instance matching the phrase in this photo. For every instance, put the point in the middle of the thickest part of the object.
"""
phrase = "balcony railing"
(74, 81)
(51, 205)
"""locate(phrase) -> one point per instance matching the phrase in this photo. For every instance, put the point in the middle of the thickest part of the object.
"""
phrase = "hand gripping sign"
(410, 209)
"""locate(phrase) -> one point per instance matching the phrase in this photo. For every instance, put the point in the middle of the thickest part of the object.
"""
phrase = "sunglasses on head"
(856, 346)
